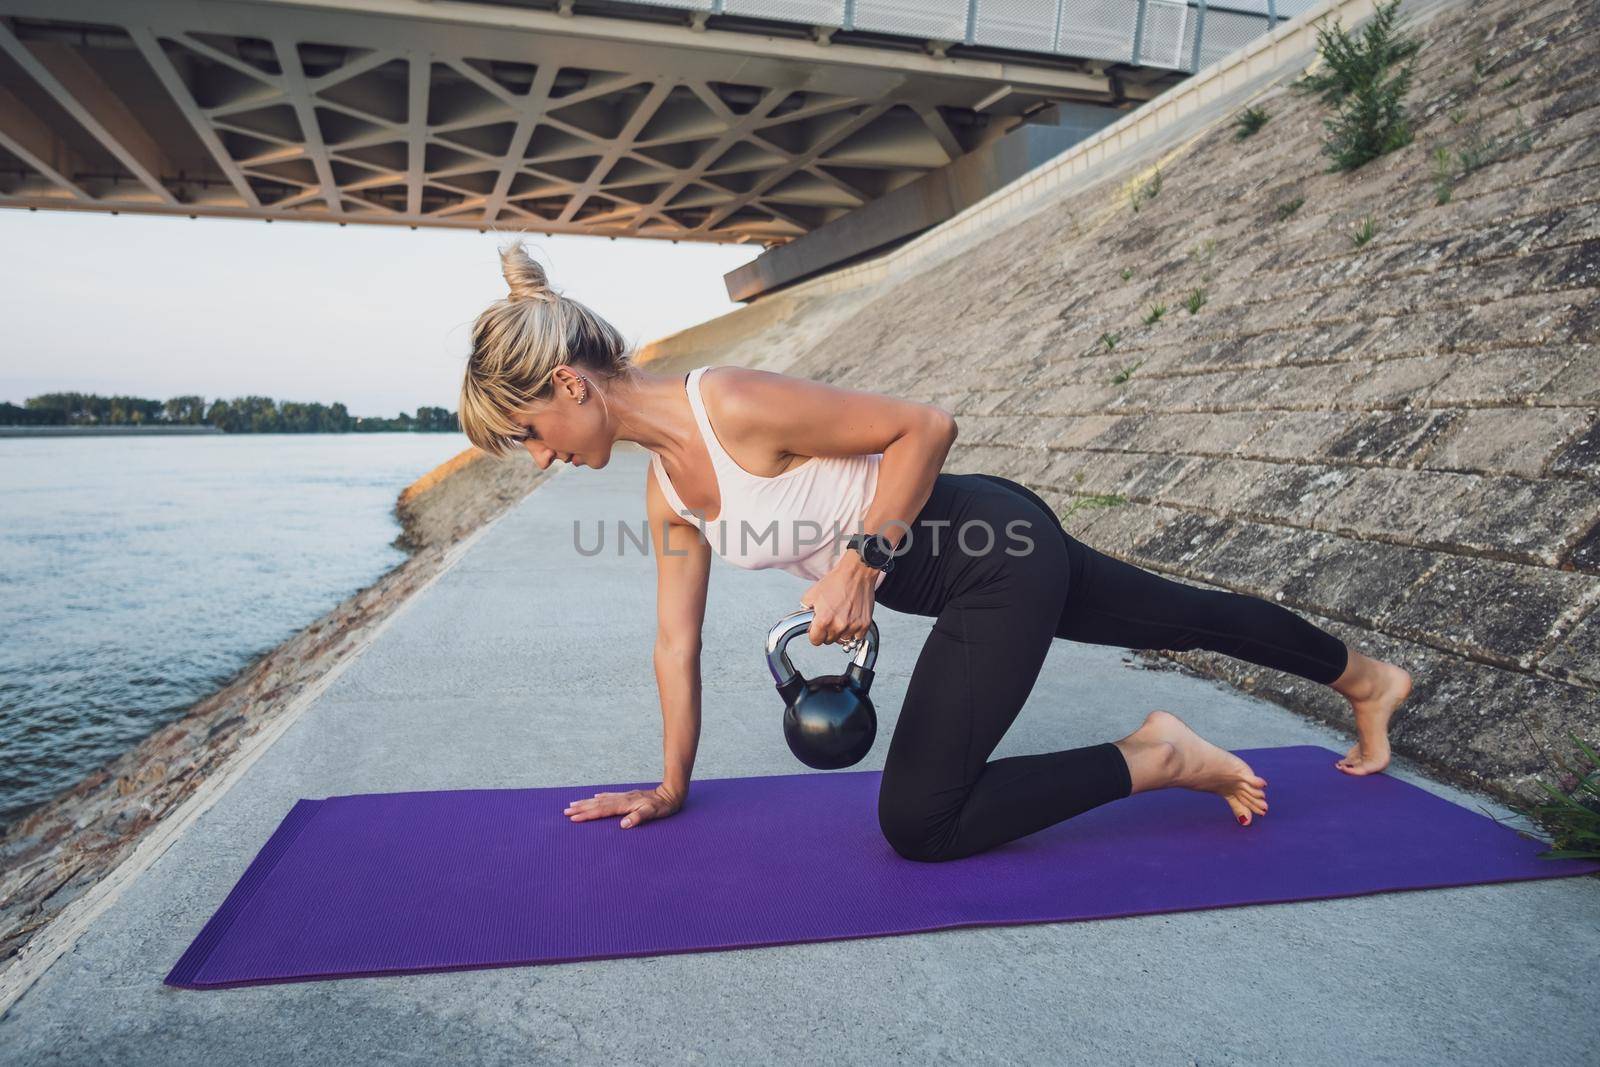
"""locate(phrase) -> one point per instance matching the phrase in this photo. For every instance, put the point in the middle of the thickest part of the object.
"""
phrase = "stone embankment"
(61, 849)
(1371, 397)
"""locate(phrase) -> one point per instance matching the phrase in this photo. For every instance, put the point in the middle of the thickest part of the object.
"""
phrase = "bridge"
(704, 120)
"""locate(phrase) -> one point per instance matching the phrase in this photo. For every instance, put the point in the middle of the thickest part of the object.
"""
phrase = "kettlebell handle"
(797, 623)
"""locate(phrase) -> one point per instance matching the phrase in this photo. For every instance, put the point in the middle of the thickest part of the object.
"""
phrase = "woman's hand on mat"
(635, 806)
(841, 602)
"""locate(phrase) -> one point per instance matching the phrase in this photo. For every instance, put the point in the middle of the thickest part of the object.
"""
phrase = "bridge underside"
(471, 115)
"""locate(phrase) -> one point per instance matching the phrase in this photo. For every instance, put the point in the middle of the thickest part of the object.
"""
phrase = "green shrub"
(1287, 209)
(1365, 78)
(1373, 123)
(1156, 311)
(1349, 63)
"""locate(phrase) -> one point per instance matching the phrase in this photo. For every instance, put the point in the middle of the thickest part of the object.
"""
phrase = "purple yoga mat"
(390, 883)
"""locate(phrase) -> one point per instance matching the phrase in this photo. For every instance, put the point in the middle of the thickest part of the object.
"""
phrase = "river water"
(138, 575)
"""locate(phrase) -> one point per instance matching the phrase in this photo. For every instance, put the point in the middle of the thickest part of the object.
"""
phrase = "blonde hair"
(517, 344)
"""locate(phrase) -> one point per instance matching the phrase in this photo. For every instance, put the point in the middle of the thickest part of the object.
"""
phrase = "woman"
(748, 463)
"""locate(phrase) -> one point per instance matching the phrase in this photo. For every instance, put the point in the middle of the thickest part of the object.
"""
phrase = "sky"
(376, 317)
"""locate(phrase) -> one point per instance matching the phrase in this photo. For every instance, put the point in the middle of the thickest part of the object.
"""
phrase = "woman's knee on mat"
(916, 829)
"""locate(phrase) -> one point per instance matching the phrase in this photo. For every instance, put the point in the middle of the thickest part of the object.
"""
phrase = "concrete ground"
(528, 664)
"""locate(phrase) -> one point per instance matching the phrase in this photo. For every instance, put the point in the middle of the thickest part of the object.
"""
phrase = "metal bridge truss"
(715, 124)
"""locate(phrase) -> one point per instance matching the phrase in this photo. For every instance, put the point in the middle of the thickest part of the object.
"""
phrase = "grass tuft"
(1475, 152)
(1140, 192)
(1573, 819)
(1249, 122)
(1125, 373)
(1101, 500)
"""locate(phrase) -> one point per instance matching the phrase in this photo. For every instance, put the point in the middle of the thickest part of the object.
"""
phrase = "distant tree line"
(242, 414)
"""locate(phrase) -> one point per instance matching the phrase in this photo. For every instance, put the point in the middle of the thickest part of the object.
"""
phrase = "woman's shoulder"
(746, 406)
(741, 392)
(732, 377)
(732, 395)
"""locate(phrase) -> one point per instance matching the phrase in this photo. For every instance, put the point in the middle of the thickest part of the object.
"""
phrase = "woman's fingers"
(829, 632)
(635, 807)
(645, 809)
(828, 629)
(597, 806)
(580, 805)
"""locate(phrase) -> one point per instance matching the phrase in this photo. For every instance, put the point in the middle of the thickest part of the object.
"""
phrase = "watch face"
(874, 553)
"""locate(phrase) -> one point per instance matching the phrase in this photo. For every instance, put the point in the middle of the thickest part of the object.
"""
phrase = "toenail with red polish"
(1241, 820)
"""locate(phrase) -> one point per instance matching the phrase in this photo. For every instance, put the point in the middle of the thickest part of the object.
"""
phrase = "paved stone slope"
(1397, 438)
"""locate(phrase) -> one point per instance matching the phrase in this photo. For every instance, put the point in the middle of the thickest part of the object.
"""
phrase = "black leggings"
(991, 561)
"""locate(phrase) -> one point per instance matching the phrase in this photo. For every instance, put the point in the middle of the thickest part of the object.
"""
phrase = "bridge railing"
(1171, 34)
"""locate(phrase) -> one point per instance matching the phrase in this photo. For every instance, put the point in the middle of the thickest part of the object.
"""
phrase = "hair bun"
(524, 276)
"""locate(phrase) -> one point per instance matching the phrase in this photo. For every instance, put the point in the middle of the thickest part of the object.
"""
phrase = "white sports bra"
(795, 521)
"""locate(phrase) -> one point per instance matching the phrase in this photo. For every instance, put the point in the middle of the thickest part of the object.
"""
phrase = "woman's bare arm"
(683, 566)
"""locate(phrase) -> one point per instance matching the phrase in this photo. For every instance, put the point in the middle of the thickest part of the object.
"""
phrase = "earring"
(585, 395)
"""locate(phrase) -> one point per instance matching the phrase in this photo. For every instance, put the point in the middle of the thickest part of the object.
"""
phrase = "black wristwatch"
(872, 551)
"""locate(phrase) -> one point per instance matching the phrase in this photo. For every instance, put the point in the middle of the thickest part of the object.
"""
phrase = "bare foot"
(1197, 764)
(1374, 688)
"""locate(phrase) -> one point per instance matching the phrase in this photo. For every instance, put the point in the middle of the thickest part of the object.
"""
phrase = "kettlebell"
(829, 721)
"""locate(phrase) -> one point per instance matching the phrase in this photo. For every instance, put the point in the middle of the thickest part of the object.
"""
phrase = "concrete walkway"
(528, 664)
